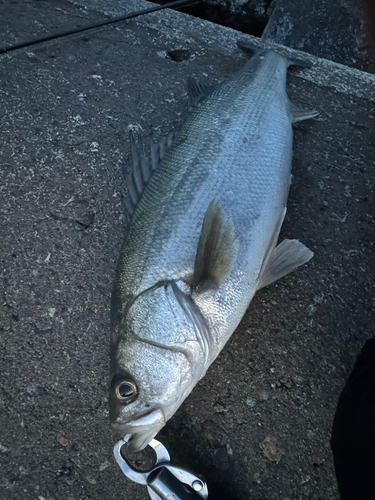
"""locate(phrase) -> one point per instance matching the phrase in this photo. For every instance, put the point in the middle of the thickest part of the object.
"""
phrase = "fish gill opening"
(246, 16)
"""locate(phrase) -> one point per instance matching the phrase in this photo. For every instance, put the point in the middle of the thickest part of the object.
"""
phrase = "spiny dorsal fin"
(143, 167)
(286, 257)
(197, 90)
(216, 249)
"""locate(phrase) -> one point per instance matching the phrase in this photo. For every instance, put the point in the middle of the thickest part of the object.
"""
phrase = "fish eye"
(125, 389)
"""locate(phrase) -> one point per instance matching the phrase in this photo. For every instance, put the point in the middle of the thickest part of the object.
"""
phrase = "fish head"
(132, 412)
(156, 359)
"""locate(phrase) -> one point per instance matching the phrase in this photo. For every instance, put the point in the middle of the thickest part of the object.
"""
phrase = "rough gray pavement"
(258, 425)
(247, 16)
(333, 29)
(337, 30)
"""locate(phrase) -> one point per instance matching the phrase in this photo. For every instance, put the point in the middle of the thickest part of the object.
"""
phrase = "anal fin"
(286, 257)
(216, 249)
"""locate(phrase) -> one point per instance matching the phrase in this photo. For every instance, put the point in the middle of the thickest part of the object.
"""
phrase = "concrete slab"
(67, 108)
(25, 20)
(335, 30)
(247, 16)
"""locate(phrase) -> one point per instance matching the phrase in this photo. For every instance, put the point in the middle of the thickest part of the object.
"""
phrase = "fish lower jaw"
(142, 429)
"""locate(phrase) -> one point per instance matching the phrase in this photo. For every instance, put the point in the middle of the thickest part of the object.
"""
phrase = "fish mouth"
(143, 428)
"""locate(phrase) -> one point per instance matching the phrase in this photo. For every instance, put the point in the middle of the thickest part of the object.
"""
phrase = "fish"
(205, 214)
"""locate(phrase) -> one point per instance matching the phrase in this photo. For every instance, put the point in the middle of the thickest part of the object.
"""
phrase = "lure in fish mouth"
(206, 212)
(143, 429)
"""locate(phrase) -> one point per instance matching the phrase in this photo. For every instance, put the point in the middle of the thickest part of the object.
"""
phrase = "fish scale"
(222, 188)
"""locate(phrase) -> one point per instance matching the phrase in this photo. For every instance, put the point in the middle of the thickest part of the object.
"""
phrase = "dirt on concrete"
(258, 425)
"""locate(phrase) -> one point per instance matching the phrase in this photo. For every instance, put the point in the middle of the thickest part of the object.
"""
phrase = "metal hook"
(162, 458)
(164, 481)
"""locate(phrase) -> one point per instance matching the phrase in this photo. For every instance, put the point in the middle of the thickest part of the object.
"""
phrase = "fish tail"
(252, 47)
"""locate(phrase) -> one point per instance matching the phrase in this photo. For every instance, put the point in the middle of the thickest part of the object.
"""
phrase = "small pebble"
(270, 448)
(263, 395)
(219, 408)
(104, 465)
(315, 349)
(310, 434)
(62, 439)
(257, 478)
(51, 311)
(297, 381)
(286, 382)
(250, 402)
(318, 462)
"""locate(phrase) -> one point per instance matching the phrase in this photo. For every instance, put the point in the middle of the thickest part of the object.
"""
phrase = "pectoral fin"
(286, 257)
(216, 249)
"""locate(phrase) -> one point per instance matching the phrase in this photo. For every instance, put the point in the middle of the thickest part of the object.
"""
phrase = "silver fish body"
(182, 288)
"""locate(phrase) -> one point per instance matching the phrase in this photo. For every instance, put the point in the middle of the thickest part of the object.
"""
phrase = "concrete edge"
(326, 73)
(181, 27)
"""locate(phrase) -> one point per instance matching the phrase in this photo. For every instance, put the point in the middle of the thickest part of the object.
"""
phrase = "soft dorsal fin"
(216, 249)
(142, 167)
(297, 114)
(248, 47)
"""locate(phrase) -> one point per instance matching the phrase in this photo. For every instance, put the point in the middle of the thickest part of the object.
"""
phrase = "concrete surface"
(338, 30)
(247, 16)
(67, 106)
(333, 29)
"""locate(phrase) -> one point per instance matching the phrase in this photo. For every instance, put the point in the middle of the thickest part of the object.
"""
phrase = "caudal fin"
(251, 48)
